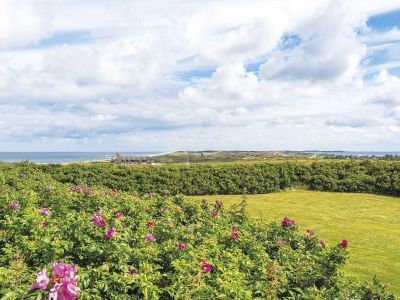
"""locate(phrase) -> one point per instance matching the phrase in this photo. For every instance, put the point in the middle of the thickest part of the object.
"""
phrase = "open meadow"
(370, 222)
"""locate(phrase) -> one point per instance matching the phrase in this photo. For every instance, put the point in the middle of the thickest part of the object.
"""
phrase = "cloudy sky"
(161, 75)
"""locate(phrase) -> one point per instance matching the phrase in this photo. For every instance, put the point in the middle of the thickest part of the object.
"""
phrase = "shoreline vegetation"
(212, 156)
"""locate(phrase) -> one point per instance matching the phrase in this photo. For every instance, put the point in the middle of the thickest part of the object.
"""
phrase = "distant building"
(125, 160)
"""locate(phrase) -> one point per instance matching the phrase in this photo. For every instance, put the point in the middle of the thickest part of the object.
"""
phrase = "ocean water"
(62, 157)
(357, 153)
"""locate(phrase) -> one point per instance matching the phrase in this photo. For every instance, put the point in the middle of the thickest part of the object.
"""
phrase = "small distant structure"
(126, 160)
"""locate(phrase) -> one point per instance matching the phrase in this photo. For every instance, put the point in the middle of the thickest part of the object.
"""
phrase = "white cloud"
(120, 85)
(22, 23)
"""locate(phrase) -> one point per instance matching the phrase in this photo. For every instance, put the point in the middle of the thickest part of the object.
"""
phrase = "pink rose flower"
(310, 232)
(87, 191)
(15, 206)
(205, 266)
(42, 280)
(181, 246)
(64, 280)
(322, 243)
(118, 216)
(45, 211)
(235, 235)
(133, 271)
(62, 269)
(286, 222)
(75, 188)
(149, 195)
(110, 232)
(343, 243)
(66, 289)
(150, 237)
(235, 228)
(219, 202)
(149, 224)
(214, 212)
(98, 220)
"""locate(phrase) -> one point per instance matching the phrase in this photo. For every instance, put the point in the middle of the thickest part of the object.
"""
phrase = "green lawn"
(371, 223)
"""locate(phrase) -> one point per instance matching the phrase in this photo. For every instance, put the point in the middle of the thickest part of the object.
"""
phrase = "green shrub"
(196, 253)
(359, 176)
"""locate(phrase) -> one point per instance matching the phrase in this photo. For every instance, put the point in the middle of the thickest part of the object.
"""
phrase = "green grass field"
(371, 223)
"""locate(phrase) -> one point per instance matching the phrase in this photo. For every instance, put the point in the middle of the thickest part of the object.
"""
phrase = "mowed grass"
(371, 223)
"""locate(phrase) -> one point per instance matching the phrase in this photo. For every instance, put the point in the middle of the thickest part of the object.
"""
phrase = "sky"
(164, 75)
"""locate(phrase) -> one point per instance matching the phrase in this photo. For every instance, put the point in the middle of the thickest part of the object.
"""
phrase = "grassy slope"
(371, 223)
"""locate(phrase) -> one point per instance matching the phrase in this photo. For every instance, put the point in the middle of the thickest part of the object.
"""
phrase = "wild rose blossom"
(204, 201)
(43, 223)
(205, 266)
(42, 280)
(118, 216)
(150, 237)
(235, 235)
(63, 280)
(133, 271)
(149, 224)
(149, 195)
(110, 232)
(181, 246)
(219, 202)
(63, 269)
(214, 212)
(114, 191)
(286, 222)
(45, 211)
(66, 289)
(14, 205)
(343, 243)
(235, 228)
(87, 191)
(98, 220)
(310, 232)
(322, 243)
(75, 188)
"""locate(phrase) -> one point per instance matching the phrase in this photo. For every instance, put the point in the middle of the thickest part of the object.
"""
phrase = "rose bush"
(60, 242)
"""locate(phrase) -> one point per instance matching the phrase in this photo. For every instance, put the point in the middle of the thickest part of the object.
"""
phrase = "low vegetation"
(62, 241)
(227, 156)
(370, 222)
(364, 176)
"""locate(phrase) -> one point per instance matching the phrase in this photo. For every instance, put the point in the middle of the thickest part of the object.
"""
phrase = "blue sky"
(167, 75)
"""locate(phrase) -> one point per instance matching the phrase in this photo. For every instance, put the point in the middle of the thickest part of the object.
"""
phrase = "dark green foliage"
(360, 176)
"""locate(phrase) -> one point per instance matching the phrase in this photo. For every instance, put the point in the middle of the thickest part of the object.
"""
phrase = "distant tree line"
(360, 176)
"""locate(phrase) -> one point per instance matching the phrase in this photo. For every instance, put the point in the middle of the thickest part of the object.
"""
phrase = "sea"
(355, 153)
(64, 157)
